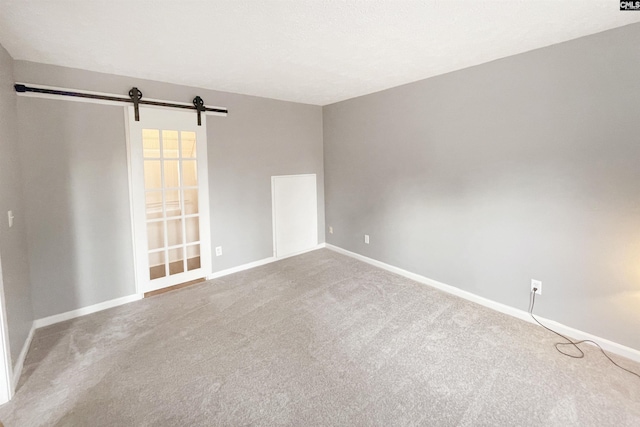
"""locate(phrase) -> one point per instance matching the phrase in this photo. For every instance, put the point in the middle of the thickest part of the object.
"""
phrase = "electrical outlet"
(330, 230)
(10, 217)
(366, 239)
(218, 250)
(536, 284)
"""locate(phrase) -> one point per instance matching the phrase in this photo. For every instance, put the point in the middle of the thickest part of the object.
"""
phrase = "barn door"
(170, 197)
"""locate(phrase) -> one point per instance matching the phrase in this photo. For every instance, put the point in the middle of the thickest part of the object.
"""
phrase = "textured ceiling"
(316, 52)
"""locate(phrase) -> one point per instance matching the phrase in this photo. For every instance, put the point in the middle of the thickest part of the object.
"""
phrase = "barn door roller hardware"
(199, 104)
(135, 97)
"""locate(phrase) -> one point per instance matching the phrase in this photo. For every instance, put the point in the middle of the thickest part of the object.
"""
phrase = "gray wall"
(13, 241)
(77, 202)
(76, 181)
(526, 167)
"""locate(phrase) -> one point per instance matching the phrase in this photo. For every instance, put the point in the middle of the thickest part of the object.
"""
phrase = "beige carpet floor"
(315, 340)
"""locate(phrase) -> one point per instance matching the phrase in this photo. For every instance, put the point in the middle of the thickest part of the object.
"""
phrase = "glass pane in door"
(191, 201)
(155, 235)
(152, 174)
(174, 232)
(170, 144)
(192, 229)
(151, 143)
(171, 174)
(193, 257)
(154, 204)
(188, 145)
(176, 261)
(189, 173)
(157, 267)
(173, 204)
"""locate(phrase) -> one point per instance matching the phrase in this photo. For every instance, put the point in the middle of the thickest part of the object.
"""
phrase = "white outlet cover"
(366, 239)
(218, 250)
(536, 284)
(330, 230)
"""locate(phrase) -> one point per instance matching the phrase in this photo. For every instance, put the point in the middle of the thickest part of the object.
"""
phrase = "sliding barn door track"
(135, 97)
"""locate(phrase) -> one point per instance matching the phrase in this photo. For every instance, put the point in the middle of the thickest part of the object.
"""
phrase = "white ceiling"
(311, 51)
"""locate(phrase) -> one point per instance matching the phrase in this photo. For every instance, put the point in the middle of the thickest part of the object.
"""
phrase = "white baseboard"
(258, 263)
(315, 248)
(57, 318)
(608, 345)
(242, 267)
(17, 369)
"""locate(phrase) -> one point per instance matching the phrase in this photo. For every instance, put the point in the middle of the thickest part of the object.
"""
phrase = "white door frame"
(164, 118)
(6, 367)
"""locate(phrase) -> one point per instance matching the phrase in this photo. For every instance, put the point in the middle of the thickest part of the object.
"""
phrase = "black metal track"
(24, 88)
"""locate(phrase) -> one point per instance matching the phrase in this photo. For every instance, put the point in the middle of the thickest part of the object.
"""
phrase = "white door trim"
(137, 193)
(6, 367)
